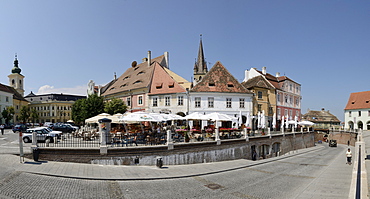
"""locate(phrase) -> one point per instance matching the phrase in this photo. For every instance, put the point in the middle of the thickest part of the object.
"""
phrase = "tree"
(86, 108)
(114, 106)
(25, 114)
(8, 114)
(94, 105)
(34, 115)
(78, 111)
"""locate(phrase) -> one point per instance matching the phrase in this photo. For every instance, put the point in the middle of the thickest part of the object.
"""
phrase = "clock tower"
(16, 78)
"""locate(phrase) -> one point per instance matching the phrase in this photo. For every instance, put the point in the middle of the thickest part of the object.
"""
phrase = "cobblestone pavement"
(319, 172)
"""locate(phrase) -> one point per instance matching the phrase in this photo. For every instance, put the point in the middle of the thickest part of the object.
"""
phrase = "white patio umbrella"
(96, 118)
(138, 117)
(247, 122)
(296, 121)
(259, 120)
(240, 120)
(263, 119)
(218, 117)
(286, 123)
(195, 116)
(306, 123)
(274, 121)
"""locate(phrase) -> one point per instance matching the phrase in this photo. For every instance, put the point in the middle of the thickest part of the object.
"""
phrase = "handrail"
(358, 180)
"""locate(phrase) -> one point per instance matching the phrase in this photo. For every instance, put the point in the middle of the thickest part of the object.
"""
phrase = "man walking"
(2, 129)
(349, 156)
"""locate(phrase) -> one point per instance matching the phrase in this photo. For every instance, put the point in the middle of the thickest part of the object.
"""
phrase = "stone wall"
(185, 153)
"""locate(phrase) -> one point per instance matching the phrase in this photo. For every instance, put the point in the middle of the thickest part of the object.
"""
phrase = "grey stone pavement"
(329, 183)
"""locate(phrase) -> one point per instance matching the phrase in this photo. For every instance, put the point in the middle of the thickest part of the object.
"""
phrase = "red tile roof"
(163, 83)
(219, 79)
(10, 89)
(360, 100)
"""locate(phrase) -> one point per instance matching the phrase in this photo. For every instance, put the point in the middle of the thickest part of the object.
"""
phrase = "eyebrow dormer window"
(137, 82)
(123, 85)
(230, 85)
(126, 77)
(141, 72)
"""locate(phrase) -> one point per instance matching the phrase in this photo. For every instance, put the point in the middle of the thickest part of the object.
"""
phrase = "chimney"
(277, 74)
(264, 70)
(149, 58)
(115, 76)
(166, 57)
(246, 73)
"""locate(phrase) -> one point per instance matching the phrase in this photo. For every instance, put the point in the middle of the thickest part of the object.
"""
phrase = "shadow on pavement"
(38, 163)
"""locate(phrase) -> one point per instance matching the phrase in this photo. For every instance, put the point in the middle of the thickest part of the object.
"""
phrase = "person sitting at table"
(134, 140)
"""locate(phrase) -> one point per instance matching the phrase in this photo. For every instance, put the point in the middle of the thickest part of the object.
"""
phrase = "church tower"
(200, 66)
(16, 78)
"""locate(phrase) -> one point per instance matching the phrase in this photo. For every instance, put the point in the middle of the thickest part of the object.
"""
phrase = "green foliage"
(8, 113)
(25, 114)
(114, 106)
(86, 108)
(34, 115)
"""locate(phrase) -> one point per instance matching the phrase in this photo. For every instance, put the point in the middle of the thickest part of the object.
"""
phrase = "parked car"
(64, 128)
(332, 143)
(42, 135)
(19, 127)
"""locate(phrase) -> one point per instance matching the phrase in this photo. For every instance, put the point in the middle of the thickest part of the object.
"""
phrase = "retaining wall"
(184, 153)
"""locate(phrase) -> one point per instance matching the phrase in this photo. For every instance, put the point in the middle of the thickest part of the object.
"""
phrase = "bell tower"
(200, 66)
(16, 78)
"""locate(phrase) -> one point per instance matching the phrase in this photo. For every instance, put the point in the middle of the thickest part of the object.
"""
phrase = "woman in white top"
(349, 156)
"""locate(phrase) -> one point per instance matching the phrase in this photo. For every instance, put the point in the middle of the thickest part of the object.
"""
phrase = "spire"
(16, 69)
(200, 64)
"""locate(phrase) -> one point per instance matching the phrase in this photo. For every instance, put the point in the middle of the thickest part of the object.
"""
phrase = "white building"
(357, 111)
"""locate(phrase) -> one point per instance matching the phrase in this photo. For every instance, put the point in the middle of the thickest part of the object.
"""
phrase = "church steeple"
(16, 69)
(16, 78)
(200, 66)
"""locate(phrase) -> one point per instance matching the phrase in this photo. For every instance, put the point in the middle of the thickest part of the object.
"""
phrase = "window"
(197, 102)
(140, 100)
(155, 101)
(230, 85)
(290, 100)
(285, 113)
(228, 102)
(167, 101)
(286, 99)
(141, 72)
(278, 97)
(259, 107)
(278, 113)
(241, 103)
(259, 94)
(138, 81)
(359, 113)
(7, 99)
(297, 102)
(350, 113)
(211, 84)
(290, 113)
(180, 100)
(290, 86)
(270, 110)
(128, 100)
(211, 102)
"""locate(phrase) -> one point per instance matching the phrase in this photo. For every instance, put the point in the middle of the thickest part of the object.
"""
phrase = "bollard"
(35, 154)
(159, 162)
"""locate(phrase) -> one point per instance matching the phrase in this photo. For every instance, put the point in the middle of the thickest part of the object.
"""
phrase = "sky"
(61, 45)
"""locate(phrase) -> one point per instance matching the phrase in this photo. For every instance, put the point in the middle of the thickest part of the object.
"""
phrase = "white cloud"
(47, 89)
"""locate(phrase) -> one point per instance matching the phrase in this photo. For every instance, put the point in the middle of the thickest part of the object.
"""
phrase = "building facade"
(287, 93)
(52, 107)
(357, 111)
(324, 120)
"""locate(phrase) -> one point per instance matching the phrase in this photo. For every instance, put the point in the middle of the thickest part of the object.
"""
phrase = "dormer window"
(141, 72)
(112, 88)
(353, 102)
(158, 85)
(230, 85)
(137, 82)
(171, 84)
(136, 68)
(123, 85)
(211, 84)
(126, 77)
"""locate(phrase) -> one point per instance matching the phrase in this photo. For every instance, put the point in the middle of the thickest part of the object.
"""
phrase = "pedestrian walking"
(254, 155)
(2, 129)
(349, 156)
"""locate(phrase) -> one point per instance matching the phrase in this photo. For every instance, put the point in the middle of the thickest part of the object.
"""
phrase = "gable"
(163, 83)
(219, 79)
(360, 100)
